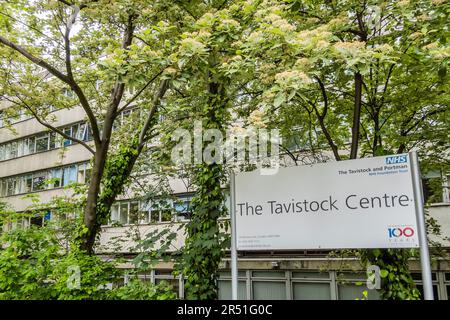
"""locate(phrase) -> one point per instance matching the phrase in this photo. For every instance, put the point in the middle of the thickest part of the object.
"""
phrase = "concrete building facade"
(31, 155)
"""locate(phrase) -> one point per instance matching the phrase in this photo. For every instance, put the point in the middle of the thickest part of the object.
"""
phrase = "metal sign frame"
(421, 227)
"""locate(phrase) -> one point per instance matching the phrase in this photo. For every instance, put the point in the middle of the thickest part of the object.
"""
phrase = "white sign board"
(364, 203)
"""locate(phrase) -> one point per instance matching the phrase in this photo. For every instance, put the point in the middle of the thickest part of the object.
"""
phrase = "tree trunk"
(356, 116)
(90, 211)
(376, 133)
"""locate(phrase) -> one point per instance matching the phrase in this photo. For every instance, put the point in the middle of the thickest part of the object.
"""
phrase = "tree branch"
(423, 118)
(356, 116)
(325, 130)
(47, 125)
(139, 92)
(159, 94)
(64, 78)
(391, 68)
(119, 87)
(290, 154)
(67, 50)
(38, 61)
(32, 28)
(325, 97)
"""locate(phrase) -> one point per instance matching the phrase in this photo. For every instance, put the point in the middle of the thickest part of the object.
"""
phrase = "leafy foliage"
(396, 280)
(44, 262)
(368, 77)
(138, 290)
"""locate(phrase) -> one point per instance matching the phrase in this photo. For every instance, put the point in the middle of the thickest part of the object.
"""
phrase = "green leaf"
(384, 273)
(279, 99)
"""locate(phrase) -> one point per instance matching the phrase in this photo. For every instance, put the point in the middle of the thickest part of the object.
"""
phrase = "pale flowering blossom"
(312, 20)
(267, 79)
(207, 19)
(238, 44)
(230, 23)
(308, 39)
(350, 48)
(268, 95)
(423, 17)
(415, 35)
(170, 70)
(322, 44)
(256, 118)
(337, 22)
(292, 78)
(440, 52)
(284, 25)
(238, 130)
(255, 36)
(272, 17)
(432, 45)
(279, 22)
(303, 63)
(192, 44)
(266, 71)
(204, 33)
(384, 48)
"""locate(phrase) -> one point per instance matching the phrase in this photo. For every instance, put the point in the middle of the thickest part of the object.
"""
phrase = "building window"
(69, 175)
(311, 291)
(224, 284)
(225, 290)
(182, 208)
(39, 181)
(436, 187)
(36, 221)
(56, 176)
(269, 285)
(123, 213)
(67, 131)
(42, 180)
(44, 141)
(68, 93)
(13, 150)
(269, 290)
(133, 212)
(418, 280)
(115, 213)
(84, 173)
(29, 145)
(311, 286)
(11, 186)
(167, 277)
(156, 211)
(352, 285)
(54, 141)
(161, 210)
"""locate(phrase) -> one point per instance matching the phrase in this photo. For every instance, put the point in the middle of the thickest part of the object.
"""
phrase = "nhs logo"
(397, 159)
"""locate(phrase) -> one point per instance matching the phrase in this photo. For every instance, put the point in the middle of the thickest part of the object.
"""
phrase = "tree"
(333, 76)
(50, 47)
(205, 92)
(45, 263)
(377, 68)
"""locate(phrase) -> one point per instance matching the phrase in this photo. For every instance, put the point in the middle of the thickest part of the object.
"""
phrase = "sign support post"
(234, 269)
(421, 227)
